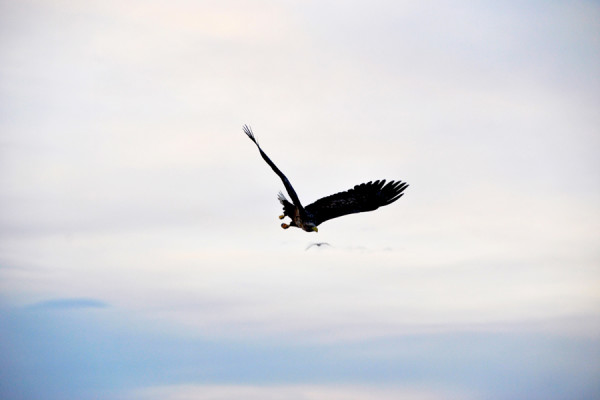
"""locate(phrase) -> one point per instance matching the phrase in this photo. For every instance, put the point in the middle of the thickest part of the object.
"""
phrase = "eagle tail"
(288, 208)
(281, 198)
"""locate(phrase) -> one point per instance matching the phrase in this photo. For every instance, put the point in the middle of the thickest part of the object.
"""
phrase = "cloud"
(118, 354)
(68, 304)
(125, 177)
(291, 392)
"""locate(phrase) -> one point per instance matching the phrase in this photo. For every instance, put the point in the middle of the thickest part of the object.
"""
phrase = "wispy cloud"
(116, 354)
(68, 304)
(292, 392)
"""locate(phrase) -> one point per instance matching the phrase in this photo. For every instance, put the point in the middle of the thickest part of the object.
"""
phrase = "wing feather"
(284, 179)
(364, 197)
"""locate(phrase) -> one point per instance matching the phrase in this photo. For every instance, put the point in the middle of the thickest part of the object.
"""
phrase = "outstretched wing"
(364, 197)
(286, 182)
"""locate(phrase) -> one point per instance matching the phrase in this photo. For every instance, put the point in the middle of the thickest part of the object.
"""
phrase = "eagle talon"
(285, 226)
(282, 216)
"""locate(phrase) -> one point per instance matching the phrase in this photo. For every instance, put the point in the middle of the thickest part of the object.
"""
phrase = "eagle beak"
(315, 229)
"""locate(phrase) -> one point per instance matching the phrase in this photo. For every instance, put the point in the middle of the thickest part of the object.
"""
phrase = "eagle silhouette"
(364, 197)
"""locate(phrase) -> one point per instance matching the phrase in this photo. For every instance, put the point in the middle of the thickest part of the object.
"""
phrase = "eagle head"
(310, 227)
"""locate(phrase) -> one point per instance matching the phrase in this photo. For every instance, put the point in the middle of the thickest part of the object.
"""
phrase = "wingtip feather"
(248, 131)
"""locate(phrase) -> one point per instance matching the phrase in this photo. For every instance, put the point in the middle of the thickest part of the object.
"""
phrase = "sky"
(141, 256)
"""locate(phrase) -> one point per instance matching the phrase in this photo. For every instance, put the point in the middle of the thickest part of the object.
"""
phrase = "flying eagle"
(364, 197)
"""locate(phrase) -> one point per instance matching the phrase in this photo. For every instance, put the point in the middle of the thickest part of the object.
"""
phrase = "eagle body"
(361, 198)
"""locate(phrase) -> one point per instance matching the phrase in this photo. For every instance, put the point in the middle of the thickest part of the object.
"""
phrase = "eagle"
(364, 197)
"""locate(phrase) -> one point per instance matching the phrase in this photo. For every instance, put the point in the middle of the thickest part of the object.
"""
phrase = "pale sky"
(141, 256)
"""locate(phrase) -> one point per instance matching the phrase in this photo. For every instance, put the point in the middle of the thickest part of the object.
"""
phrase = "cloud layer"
(125, 180)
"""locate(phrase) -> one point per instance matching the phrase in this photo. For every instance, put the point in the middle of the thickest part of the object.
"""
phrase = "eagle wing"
(284, 179)
(364, 197)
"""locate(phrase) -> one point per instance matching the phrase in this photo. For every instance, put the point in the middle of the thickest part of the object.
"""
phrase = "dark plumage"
(364, 197)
